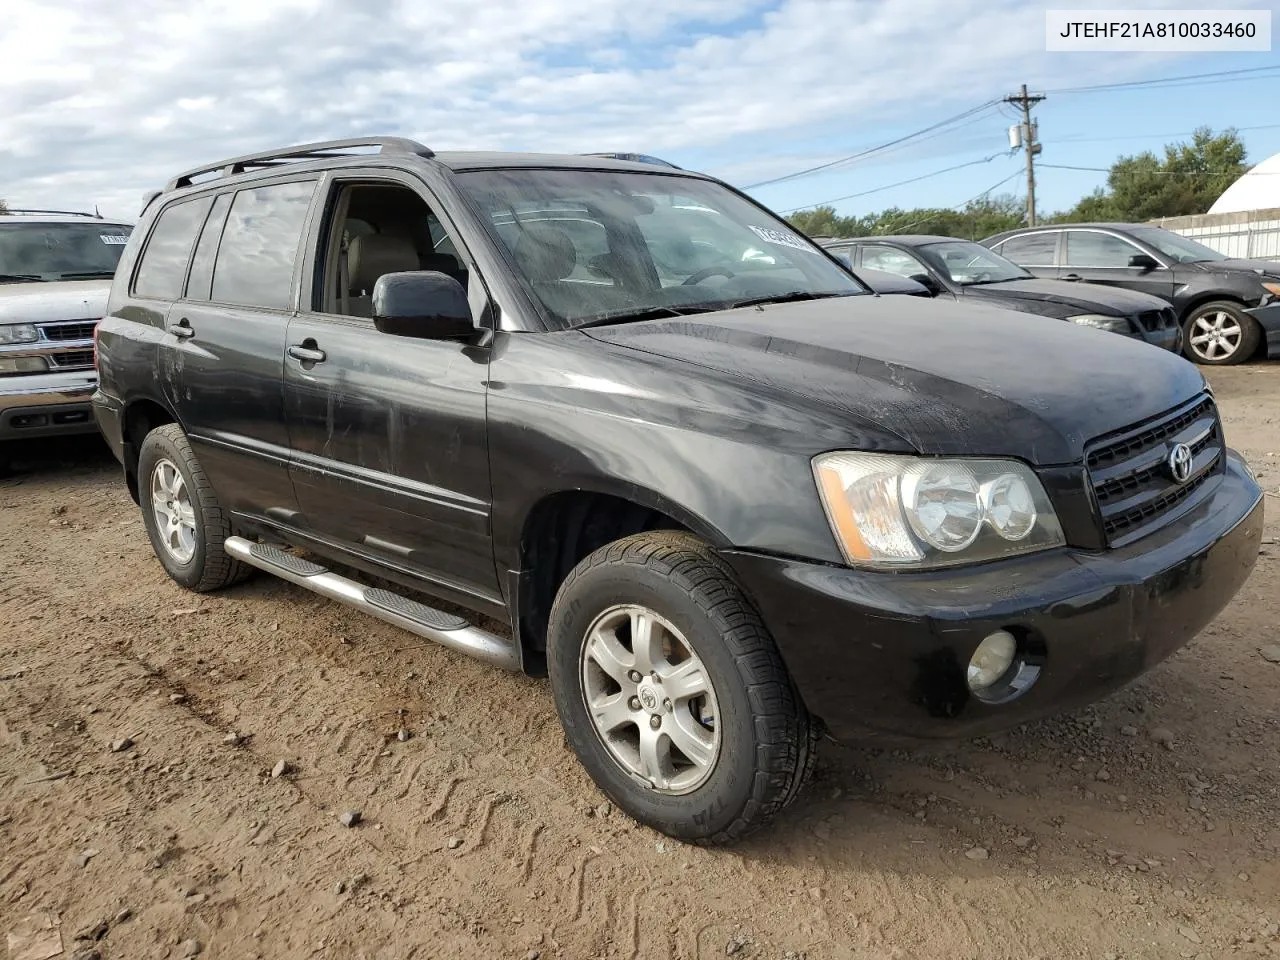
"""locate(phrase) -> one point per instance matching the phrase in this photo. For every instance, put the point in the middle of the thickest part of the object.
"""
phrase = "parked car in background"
(55, 274)
(880, 281)
(966, 271)
(1228, 308)
(714, 487)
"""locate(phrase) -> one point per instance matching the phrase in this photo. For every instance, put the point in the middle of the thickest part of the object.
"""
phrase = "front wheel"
(671, 691)
(1221, 333)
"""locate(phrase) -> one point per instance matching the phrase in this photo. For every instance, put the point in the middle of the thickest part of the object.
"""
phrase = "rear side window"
(164, 261)
(254, 265)
(206, 249)
(1031, 250)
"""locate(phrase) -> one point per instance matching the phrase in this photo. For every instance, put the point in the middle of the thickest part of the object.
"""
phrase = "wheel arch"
(141, 415)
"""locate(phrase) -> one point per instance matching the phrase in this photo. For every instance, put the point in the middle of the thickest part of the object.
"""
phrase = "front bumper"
(47, 404)
(884, 655)
(1268, 318)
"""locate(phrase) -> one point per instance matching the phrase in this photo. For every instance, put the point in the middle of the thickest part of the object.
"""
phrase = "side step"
(444, 628)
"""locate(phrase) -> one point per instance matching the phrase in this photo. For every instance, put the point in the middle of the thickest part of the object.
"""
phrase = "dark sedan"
(1228, 308)
(966, 271)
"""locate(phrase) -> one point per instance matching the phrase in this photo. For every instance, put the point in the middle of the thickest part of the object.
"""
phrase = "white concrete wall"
(1254, 233)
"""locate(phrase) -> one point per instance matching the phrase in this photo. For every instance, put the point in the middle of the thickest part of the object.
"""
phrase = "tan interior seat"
(370, 256)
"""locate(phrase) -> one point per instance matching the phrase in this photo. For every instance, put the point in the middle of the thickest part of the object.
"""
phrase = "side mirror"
(1143, 261)
(425, 304)
(925, 281)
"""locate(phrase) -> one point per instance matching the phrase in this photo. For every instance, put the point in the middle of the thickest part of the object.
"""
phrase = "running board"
(443, 628)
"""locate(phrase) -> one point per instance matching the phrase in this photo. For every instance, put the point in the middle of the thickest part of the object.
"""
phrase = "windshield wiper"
(19, 277)
(791, 297)
(645, 313)
(88, 275)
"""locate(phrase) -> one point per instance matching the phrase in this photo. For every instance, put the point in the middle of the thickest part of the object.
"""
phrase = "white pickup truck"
(55, 273)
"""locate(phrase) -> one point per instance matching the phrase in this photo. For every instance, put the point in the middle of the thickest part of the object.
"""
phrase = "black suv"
(1229, 309)
(715, 487)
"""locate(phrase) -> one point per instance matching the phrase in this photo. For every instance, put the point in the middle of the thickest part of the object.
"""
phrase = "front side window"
(1175, 247)
(970, 264)
(891, 261)
(1031, 250)
(1088, 248)
(594, 246)
(31, 250)
(164, 261)
(254, 266)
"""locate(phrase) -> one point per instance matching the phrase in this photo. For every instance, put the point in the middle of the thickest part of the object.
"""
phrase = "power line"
(1154, 136)
(873, 150)
(1167, 173)
(902, 227)
(1248, 73)
(900, 183)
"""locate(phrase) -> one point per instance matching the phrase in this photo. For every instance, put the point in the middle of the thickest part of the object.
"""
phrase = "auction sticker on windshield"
(782, 238)
(112, 238)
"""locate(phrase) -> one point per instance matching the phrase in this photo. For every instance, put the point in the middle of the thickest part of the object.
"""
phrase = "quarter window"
(164, 262)
(1031, 250)
(254, 265)
(1088, 248)
(206, 249)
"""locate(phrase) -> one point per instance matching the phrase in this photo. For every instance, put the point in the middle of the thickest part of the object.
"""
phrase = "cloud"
(100, 102)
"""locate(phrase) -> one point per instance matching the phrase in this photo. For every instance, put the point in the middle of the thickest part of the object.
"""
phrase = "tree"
(4, 208)
(977, 219)
(1189, 178)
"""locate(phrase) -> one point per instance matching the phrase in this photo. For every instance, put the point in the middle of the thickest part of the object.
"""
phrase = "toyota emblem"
(1180, 459)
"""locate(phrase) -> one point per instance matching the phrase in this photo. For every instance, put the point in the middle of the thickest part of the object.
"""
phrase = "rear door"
(1098, 256)
(388, 434)
(1037, 253)
(228, 335)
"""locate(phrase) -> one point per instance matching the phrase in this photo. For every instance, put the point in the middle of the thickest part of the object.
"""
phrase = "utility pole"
(1028, 136)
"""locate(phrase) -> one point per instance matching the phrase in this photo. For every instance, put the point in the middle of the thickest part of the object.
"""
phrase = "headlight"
(18, 333)
(899, 511)
(1099, 322)
(1272, 287)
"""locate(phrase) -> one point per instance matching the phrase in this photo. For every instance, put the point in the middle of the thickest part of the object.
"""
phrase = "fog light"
(991, 660)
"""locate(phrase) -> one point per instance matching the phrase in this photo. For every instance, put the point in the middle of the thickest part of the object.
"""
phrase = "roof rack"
(635, 158)
(63, 213)
(306, 151)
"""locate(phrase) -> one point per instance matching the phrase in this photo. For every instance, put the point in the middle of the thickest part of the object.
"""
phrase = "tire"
(1217, 320)
(208, 566)
(764, 739)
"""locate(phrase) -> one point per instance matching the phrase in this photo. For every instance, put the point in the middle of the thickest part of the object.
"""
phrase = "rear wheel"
(1221, 333)
(671, 691)
(184, 520)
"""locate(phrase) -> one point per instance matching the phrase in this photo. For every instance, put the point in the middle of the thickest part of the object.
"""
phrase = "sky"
(101, 102)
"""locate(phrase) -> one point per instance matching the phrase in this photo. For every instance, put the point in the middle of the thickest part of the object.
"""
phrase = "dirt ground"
(1146, 826)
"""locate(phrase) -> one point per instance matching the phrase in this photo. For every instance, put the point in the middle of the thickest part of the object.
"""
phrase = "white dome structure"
(1259, 189)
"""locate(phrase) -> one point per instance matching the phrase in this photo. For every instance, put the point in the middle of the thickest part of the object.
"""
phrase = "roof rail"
(306, 151)
(64, 213)
(635, 158)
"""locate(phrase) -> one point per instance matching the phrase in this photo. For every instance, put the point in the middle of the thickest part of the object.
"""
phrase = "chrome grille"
(68, 330)
(71, 360)
(1129, 470)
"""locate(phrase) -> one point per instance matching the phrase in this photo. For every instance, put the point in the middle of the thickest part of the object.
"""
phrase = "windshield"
(593, 246)
(968, 263)
(60, 251)
(1179, 248)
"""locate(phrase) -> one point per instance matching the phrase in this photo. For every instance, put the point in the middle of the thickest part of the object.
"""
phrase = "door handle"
(182, 329)
(307, 352)
(1073, 277)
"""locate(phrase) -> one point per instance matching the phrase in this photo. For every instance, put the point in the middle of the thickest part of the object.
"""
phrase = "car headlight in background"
(18, 333)
(894, 511)
(1099, 322)
(23, 365)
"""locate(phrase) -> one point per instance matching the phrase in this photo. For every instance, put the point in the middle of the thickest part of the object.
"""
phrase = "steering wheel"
(708, 272)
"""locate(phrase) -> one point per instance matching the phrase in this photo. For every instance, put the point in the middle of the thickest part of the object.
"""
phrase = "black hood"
(1269, 267)
(1062, 298)
(947, 378)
